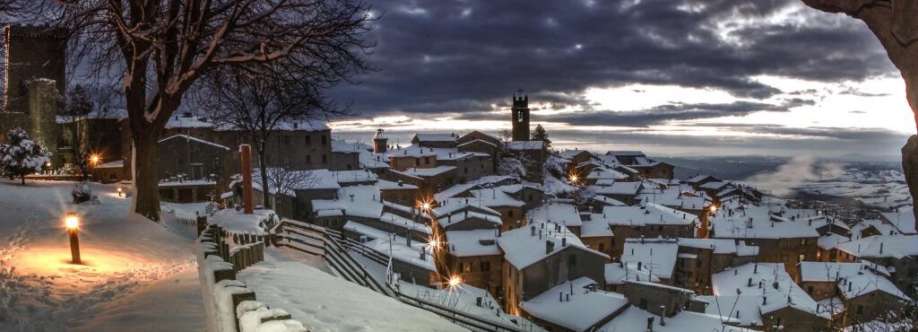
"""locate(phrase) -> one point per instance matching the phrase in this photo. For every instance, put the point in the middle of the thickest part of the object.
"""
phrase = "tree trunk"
(22, 179)
(146, 190)
(910, 166)
(263, 168)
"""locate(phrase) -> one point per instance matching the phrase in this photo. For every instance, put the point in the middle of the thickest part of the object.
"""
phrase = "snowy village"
(218, 190)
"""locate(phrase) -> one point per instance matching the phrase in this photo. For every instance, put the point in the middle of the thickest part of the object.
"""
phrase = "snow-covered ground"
(884, 188)
(327, 303)
(132, 266)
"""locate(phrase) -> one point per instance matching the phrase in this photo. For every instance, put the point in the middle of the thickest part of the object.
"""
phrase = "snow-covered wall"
(228, 304)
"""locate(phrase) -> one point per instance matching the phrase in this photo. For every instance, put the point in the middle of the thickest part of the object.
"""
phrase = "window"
(485, 266)
(510, 213)
(324, 158)
(643, 304)
(308, 139)
(519, 117)
(308, 159)
(324, 140)
(572, 261)
(602, 248)
(467, 267)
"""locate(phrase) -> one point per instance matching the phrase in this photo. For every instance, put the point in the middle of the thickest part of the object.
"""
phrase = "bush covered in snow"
(21, 156)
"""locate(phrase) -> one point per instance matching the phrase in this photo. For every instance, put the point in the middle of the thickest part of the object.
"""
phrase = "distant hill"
(729, 168)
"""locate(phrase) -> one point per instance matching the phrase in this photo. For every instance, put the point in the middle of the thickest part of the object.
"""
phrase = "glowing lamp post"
(120, 192)
(72, 223)
(454, 281)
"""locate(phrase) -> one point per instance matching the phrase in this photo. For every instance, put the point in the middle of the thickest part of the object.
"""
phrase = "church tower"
(520, 115)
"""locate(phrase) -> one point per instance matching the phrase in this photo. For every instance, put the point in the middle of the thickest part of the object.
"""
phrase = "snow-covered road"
(134, 270)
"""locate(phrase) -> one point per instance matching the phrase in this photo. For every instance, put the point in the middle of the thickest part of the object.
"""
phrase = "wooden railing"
(335, 248)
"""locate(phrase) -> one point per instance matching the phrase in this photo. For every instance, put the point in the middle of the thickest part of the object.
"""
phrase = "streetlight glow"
(455, 281)
(72, 222)
(713, 208)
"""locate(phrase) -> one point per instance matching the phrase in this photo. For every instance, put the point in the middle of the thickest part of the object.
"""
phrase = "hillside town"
(297, 226)
(542, 239)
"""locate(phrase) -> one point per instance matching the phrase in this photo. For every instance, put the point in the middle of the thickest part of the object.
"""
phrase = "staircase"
(334, 248)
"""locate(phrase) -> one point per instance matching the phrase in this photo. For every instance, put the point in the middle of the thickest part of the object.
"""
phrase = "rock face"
(910, 167)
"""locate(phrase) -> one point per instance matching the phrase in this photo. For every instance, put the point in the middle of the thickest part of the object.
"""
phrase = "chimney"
(532, 230)
(245, 157)
(764, 300)
(749, 282)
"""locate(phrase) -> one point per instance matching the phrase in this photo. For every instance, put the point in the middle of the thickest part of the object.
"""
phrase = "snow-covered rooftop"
(765, 222)
(553, 212)
(194, 139)
(893, 246)
(635, 319)
(573, 306)
(526, 245)
(644, 215)
(595, 229)
(479, 242)
(619, 272)
(757, 289)
(903, 219)
(657, 255)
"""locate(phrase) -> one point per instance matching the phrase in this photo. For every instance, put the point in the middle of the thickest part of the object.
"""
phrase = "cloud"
(466, 56)
(794, 173)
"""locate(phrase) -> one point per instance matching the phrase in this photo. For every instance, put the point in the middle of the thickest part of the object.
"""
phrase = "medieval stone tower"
(520, 114)
(32, 52)
(34, 81)
(380, 142)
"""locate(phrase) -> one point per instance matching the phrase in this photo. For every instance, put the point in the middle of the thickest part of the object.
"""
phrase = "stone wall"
(228, 304)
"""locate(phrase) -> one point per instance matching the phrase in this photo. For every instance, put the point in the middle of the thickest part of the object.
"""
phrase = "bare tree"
(163, 47)
(258, 102)
(284, 181)
(893, 23)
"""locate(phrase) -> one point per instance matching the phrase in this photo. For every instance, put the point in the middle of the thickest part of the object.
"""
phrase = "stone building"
(190, 168)
(539, 257)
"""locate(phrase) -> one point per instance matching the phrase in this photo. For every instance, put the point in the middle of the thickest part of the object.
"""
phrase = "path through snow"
(124, 257)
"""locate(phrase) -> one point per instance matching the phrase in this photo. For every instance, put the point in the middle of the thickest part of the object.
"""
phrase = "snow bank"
(230, 305)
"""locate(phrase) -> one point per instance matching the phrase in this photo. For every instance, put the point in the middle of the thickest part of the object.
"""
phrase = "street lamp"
(72, 223)
(454, 281)
(120, 192)
(94, 159)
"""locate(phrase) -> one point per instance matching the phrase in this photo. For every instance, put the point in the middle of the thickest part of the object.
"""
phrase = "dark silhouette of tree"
(894, 23)
(161, 48)
(259, 103)
(540, 135)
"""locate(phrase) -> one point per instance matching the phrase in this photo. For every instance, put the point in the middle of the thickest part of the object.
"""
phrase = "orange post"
(245, 156)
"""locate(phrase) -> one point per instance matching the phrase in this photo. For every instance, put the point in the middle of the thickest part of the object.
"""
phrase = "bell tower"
(520, 116)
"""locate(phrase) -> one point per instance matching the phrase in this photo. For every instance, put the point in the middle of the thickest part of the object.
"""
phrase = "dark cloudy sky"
(670, 77)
